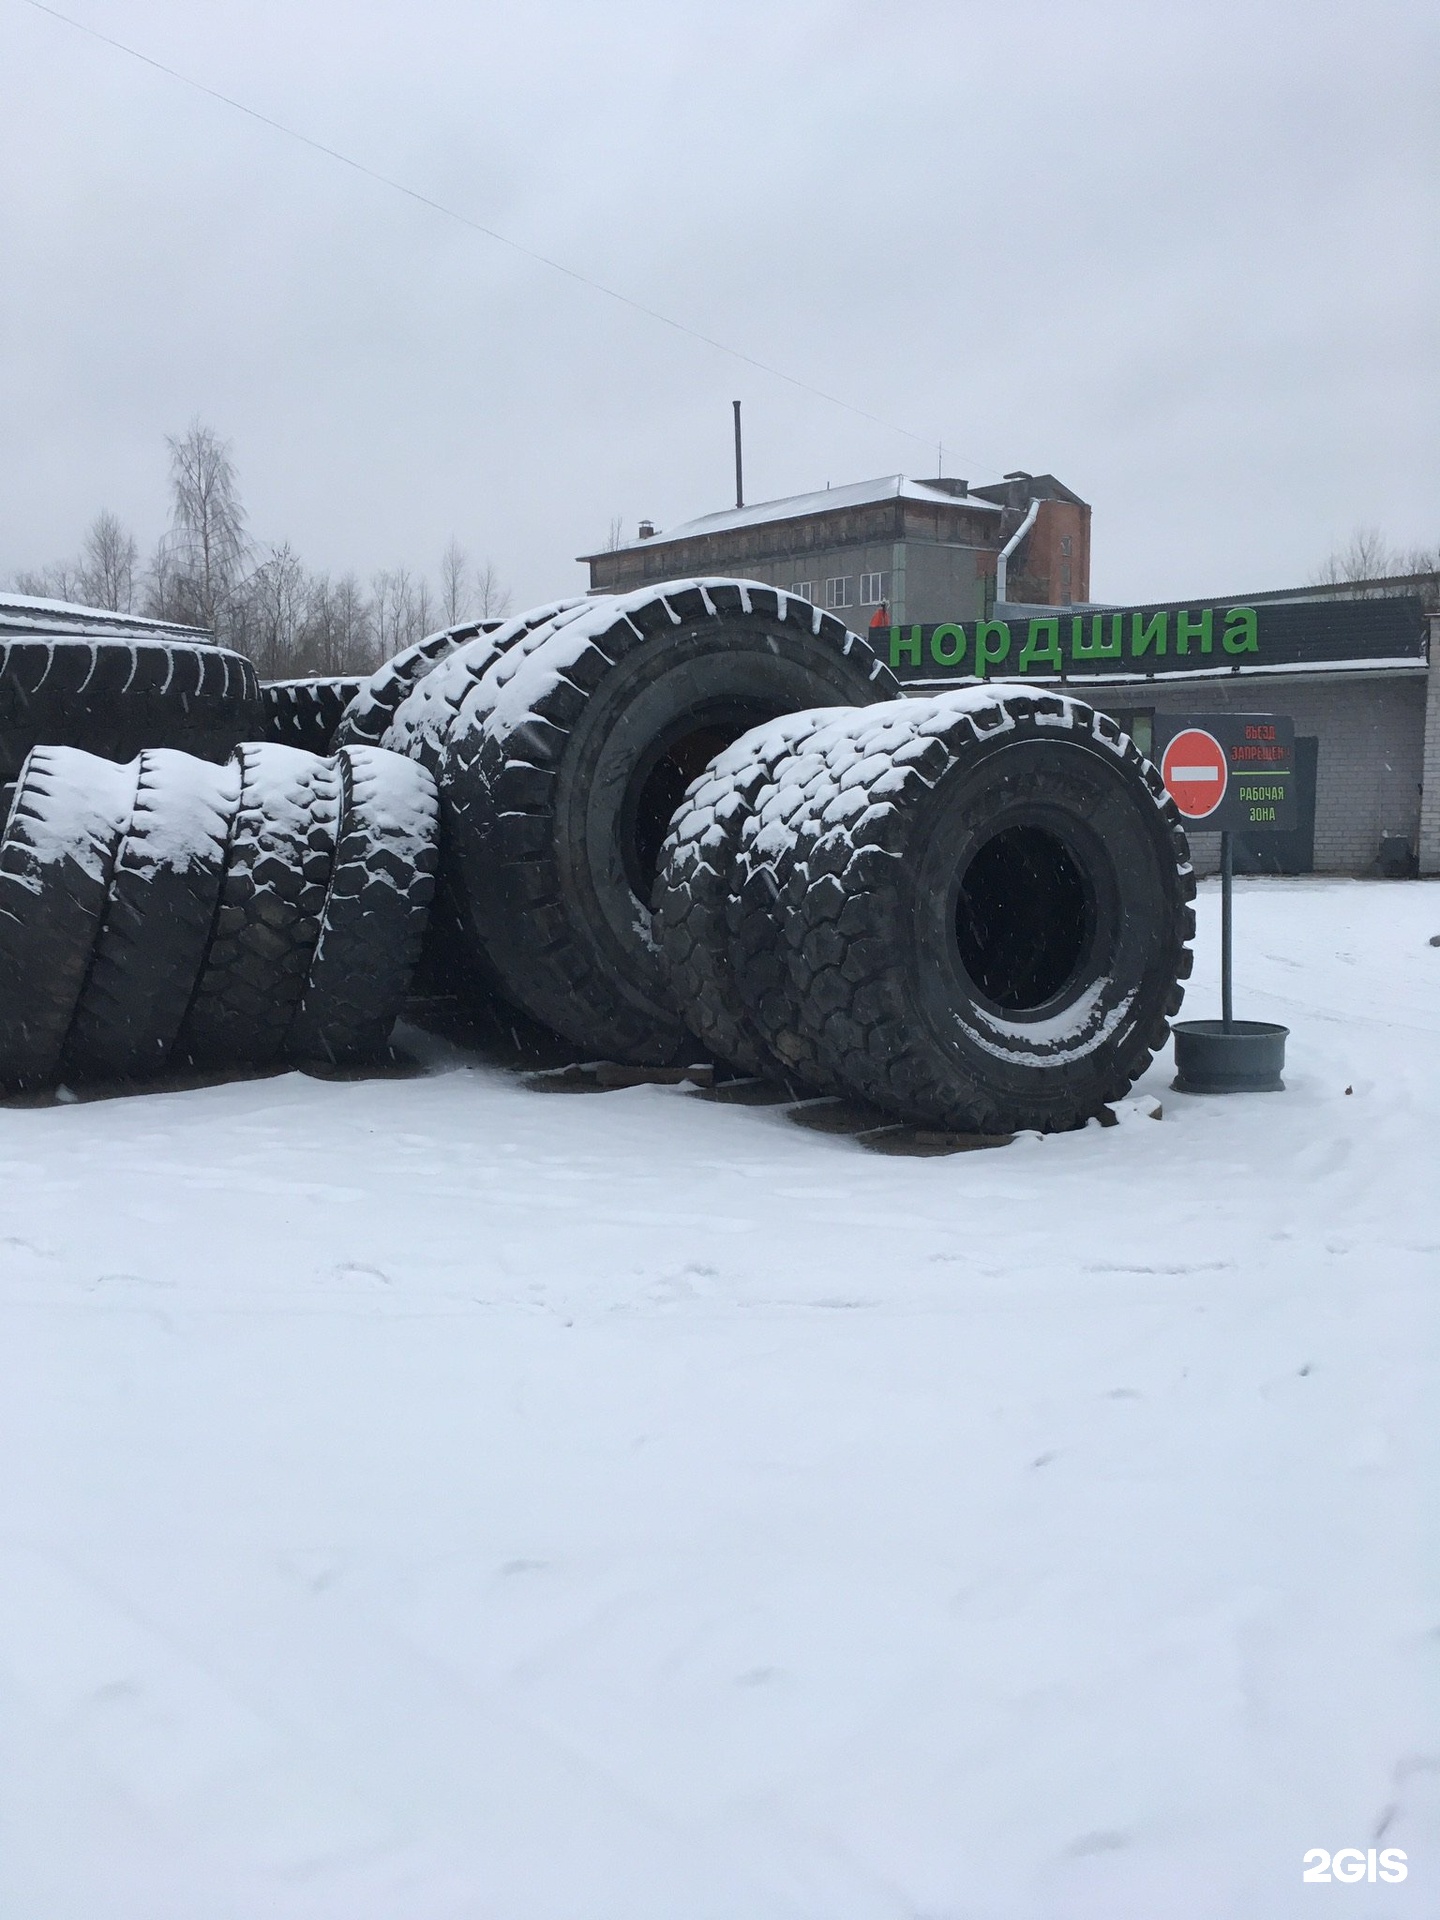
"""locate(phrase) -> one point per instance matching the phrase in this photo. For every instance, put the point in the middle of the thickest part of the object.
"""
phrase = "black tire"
(277, 869)
(306, 713)
(115, 697)
(757, 968)
(565, 766)
(61, 836)
(698, 881)
(423, 719)
(370, 715)
(372, 925)
(986, 918)
(164, 889)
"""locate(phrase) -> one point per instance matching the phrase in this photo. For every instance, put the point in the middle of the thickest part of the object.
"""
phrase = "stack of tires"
(695, 817)
(701, 813)
(969, 912)
(562, 743)
(175, 892)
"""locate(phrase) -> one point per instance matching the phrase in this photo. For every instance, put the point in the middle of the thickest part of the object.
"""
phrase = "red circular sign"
(1194, 771)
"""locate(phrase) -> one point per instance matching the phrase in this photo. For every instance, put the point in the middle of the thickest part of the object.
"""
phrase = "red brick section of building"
(1051, 566)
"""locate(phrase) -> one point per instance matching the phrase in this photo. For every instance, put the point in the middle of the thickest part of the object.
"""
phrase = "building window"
(874, 589)
(1139, 724)
(840, 592)
(804, 590)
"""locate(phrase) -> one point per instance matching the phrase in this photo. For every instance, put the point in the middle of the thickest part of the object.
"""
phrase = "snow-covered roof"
(23, 613)
(862, 493)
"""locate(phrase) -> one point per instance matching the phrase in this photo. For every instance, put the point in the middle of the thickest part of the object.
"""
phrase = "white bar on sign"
(1195, 773)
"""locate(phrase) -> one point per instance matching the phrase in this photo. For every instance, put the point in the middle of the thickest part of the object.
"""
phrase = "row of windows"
(840, 592)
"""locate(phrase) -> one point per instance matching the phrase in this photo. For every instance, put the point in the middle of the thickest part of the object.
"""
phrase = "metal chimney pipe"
(739, 465)
(1002, 564)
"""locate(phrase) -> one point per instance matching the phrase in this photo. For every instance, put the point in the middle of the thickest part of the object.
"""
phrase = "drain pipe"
(1002, 564)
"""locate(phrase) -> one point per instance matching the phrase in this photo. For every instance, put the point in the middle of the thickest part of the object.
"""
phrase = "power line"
(475, 226)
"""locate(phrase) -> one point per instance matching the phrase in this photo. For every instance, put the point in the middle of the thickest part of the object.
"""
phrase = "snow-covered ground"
(427, 1498)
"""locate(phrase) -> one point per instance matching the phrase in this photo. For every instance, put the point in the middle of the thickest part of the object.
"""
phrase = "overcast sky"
(1182, 256)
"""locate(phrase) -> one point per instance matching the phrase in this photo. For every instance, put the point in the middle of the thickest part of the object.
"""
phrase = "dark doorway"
(1287, 852)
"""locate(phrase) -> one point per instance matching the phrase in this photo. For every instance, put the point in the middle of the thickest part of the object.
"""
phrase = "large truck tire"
(160, 907)
(372, 924)
(423, 718)
(757, 968)
(420, 729)
(564, 766)
(277, 870)
(986, 918)
(63, 830)
(371, 714)
(115, 697)
(367, 718)
(697, 884)
(306, 713)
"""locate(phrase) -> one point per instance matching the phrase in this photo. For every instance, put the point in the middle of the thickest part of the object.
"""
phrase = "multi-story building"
(923, 549)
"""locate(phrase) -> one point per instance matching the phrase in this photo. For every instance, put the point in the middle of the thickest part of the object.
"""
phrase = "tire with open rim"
(564, 767)
(986, 916)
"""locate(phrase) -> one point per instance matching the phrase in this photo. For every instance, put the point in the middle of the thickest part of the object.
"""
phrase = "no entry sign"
(1229, 772)
(1194, 770)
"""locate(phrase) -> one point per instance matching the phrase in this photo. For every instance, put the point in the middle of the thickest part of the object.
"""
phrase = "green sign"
(1134, 641)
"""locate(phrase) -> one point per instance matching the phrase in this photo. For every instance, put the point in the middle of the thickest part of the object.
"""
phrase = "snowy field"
(424, 1498)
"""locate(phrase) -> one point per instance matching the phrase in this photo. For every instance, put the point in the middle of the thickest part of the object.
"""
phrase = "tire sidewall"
(750, 670)
(1064, 1050)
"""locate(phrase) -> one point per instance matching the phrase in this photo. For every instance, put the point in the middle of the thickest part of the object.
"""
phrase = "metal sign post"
(1227, 906)
(1229, 773)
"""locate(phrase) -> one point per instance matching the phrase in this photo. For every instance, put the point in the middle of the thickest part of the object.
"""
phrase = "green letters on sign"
(952, 651)
(985, 656)
(900, 645)
(1097, 647)
(1155, 631)
(1188, 629)
(1046, 654)
(1242, 631)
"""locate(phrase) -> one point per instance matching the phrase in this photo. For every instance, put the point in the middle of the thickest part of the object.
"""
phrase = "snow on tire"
(64, 827)
(372, 712)
(115, 697)
(372, 925)
(563, 768)
(306, 713)
(423, 718)
(160, 907)
(986, 914)
(277, 870)
(756, 965)
(697, 882)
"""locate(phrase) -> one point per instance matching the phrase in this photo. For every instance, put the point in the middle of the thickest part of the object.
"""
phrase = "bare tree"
(393, 599)
(1368, 558)
(107, 567)
(454, 583)
(1365, 557)
(207, 533)
(60, 581)
(491, 600)
(616, 535)
(272, 612)
(263, 601)
(339, 630)
(161, 599)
